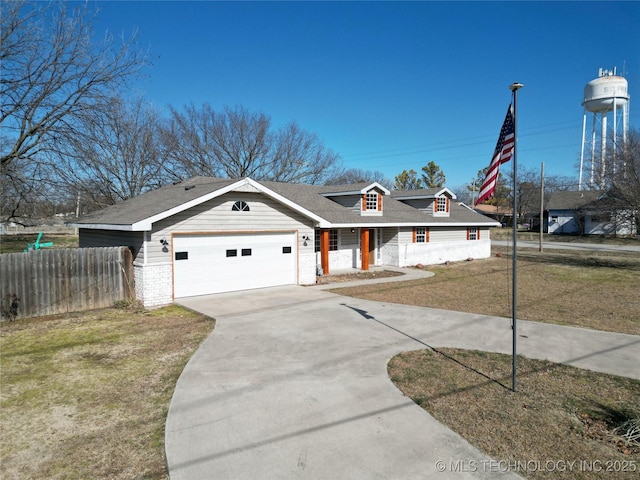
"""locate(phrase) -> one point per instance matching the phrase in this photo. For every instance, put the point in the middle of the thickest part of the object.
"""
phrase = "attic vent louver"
(189, 187)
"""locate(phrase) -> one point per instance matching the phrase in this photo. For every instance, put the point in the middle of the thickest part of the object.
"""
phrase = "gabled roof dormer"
(364, 198)
(434, 201)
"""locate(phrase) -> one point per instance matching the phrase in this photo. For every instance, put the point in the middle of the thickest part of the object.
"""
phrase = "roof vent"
(189, 187)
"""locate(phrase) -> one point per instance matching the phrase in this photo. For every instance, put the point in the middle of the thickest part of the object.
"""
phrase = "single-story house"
(588, 212)
(211, 235)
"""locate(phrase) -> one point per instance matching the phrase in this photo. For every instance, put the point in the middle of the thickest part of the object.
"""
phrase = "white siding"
(389, 246)
(564, 222)
(348, 254)
(445, 245)
(154, 279)
(617, 224)
(216, 216)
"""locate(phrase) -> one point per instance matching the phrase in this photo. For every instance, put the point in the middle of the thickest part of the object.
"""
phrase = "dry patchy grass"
(559, 413)
(17, 243)
(349, 277)
(86, 395)
(596, 290)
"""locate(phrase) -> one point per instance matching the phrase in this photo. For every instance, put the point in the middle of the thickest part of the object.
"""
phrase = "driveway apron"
(292, 383)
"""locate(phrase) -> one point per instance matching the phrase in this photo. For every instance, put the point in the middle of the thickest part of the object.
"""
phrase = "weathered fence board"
(50, 281)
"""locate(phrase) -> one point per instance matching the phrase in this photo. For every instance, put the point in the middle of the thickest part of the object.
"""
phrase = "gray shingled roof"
(571, 200)
(309, 197)
(155, 202)
(418, 192)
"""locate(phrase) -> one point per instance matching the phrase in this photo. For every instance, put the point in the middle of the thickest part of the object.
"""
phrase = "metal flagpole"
(541, 205)
(514, 87)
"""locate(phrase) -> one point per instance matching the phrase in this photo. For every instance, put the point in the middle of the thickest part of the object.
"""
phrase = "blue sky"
(393, 85)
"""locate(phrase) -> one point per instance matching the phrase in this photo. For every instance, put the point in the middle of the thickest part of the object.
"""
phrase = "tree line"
(71, 135)
(73, 140)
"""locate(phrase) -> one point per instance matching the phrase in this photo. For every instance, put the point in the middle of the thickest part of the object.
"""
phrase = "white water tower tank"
(605, 92)
(599, 151)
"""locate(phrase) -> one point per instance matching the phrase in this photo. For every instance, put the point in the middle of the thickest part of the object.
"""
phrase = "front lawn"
(86, 395)
(562, 423)
(597, 290)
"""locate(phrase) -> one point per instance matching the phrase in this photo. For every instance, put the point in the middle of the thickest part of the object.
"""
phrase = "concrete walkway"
(292, 383)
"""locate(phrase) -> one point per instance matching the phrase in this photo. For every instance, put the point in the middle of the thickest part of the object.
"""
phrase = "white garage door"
(204, 264)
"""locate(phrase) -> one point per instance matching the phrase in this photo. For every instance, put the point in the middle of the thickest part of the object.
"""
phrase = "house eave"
(408, 224)
(362, 191)
(146, 224)
(439, 193)
(103, 226)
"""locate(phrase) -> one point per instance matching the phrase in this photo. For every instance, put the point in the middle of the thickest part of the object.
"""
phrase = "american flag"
(502, 154)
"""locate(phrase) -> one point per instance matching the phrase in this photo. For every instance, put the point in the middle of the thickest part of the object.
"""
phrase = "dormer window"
(372, 202)
(442, 204)
(240, 206)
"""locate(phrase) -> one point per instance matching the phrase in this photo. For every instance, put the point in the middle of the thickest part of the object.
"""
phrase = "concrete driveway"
(292, 383)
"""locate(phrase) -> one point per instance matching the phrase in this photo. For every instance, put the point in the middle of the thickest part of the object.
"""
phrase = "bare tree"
(357, 175)
(238, 143)
(299, 156)
(187, 143)
(24, 190)
(626, 179)
(52, 74)
(117, 156)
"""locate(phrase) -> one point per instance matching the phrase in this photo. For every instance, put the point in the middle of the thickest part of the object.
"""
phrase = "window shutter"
(448, 200)
(468, 233)
(379, 202)
(414, 235)
(477, 233)
(364, 202)
(428, 235)
(435, 205)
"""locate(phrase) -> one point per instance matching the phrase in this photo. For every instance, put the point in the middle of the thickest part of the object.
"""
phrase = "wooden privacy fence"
(50, 281)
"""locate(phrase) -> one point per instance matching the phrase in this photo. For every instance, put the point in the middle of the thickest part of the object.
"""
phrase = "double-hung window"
(421, 235)
(333, 240)
(441, 205)
(473, 233)
(371, 203)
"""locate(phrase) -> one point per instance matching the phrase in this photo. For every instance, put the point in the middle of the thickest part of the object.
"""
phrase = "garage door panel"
(224, 263)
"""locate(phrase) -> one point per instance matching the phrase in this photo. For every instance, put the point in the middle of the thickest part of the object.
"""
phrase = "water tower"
(604, 97)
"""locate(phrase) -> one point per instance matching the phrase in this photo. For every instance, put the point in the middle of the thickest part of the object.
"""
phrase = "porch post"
(324, 251)
(364, 249)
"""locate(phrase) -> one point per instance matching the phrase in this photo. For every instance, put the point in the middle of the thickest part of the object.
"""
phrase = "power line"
(469, 142)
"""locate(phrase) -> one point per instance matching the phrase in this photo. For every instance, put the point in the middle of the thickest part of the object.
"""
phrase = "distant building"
(589, 212)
